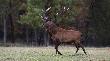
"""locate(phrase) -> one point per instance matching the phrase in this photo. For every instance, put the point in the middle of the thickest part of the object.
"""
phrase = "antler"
(44, 17)
(48, 9)
(63, 9)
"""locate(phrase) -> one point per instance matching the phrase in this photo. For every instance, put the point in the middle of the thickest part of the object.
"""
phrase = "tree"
(32, 17)
(100, 15)
(3, 17)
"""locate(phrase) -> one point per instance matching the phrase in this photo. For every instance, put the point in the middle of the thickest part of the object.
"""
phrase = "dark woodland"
(21, 21)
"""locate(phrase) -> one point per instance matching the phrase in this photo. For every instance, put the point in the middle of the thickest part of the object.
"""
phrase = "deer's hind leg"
(82, 48)
(76, 45)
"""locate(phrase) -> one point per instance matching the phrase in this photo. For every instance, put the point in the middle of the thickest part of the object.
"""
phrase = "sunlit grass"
(48, 54)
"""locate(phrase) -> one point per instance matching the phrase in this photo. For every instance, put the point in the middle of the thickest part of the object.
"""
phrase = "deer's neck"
(53, 31)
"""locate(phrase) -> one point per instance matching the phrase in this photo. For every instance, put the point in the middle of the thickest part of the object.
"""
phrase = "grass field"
(48, 54)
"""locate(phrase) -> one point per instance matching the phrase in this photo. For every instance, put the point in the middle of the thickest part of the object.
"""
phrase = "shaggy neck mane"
(55, 29)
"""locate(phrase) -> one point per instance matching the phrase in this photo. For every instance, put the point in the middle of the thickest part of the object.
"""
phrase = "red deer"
(61, 35)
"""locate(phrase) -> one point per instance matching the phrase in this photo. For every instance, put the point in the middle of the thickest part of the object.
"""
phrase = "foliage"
(101, 21)
(98, 15)
(32, 17)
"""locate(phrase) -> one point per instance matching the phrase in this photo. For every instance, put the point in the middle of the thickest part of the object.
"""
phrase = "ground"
(48, 54)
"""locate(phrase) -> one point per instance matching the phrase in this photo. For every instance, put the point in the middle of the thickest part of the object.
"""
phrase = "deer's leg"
(56, 47)
(82, 48)
(76, 45)
(58, 51)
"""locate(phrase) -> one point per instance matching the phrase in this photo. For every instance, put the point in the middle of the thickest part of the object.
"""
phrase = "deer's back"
(68, 35)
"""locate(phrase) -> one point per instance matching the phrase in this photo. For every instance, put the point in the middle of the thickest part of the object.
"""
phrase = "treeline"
(21, 22)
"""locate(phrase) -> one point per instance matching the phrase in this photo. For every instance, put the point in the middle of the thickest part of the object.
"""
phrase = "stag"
(60, 35)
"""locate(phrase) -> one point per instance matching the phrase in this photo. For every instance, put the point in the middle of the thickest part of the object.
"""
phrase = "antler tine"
(48, 9)
(68, 8)
(64, 7)
(57, 13)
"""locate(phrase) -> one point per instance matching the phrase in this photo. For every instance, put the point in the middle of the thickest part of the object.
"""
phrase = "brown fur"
(60, 35)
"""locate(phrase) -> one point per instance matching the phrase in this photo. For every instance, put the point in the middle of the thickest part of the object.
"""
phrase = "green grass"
(48, 54)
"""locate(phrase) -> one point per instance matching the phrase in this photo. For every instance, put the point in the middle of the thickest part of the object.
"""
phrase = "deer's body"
(67, 35)
(60, 35)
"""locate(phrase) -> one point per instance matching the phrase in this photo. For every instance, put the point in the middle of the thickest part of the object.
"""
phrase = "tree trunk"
(5, 30)
(35, 35)
(46, 40)
(12, 29)
(11, 22)
(27, 35)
